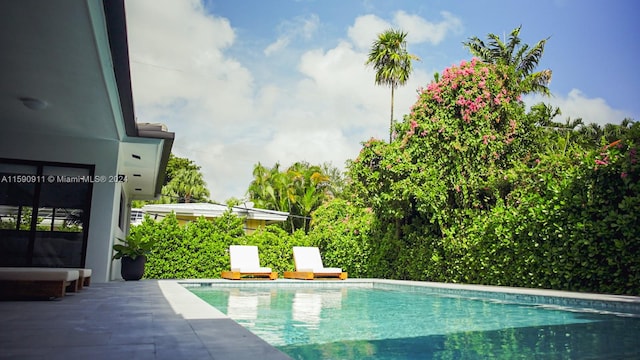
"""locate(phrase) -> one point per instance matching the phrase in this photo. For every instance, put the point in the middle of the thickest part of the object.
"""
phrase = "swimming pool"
(329, 320)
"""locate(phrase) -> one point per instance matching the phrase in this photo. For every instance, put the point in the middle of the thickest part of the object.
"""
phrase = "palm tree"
(299, 190)
(310, 187)
(188, 185)
(521, 58)
(391, 61)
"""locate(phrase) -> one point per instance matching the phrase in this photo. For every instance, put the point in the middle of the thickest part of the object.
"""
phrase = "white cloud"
(365, 29)
(278, 45)
(299, 27)
(227, 120)
(577, 105)
(310, 26)
(419, 30)
(178, 64)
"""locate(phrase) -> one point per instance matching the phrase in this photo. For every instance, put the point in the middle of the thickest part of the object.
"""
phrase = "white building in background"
(137, 216)
(254, 218)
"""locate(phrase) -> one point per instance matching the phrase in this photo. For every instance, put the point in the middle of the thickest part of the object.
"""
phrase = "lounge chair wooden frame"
(22, 283)
(84, 279)
(310, 275)
(237, 275)
(309, 265)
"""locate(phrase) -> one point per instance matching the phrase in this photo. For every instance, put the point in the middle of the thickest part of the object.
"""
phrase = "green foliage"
(175, 164)
(476, 190)
(136, 244)
(183, 183)
(186, 185)
(298, 190)
(341, 232)
(198, 249)
(520, 58)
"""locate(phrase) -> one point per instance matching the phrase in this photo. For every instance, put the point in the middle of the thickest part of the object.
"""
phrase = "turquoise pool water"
(365, 323)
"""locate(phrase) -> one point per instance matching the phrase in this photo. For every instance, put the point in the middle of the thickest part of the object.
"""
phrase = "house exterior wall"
(104, 213)
(249, 225)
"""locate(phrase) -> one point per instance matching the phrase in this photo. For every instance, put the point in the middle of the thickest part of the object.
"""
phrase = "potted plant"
(132, 253)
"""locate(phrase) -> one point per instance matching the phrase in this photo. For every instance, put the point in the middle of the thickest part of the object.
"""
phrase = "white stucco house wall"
(70, 147)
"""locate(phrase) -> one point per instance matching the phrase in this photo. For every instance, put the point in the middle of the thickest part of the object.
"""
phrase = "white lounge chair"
(309, 265)
(246, 262)
(30, 282)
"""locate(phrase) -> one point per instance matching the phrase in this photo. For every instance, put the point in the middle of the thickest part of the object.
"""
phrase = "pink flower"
(623, 175)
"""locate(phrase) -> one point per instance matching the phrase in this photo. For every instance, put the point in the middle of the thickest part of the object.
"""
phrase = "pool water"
(365, 323)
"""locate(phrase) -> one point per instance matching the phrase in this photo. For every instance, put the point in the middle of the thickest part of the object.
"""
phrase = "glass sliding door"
(46, 224)
(17, 200)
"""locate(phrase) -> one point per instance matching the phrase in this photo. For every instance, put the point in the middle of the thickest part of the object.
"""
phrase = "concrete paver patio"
(148, 319)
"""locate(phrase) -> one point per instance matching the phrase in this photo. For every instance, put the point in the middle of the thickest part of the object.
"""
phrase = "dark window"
(44, 213)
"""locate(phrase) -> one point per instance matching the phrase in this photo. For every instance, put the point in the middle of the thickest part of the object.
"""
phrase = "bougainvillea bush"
(468, 191)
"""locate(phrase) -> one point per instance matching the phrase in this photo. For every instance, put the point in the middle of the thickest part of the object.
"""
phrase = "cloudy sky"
(242, 82)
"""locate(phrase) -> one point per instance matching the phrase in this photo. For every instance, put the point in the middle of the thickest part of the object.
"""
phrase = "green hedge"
(200, 249)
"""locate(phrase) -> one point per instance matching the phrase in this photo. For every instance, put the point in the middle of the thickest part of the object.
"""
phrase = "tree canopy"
(298, 190)
(522, 59)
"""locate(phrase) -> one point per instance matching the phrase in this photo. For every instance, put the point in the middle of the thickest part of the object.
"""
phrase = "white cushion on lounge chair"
(38, 274)
(84, 272)
(252, 270)
(308, 259)
(245, 259)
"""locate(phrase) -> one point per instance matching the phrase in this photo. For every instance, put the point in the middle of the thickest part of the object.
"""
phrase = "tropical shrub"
(199, 249)
(470, 191)
(341, 231)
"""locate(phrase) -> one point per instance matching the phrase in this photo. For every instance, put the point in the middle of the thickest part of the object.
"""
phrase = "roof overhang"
(69, 61)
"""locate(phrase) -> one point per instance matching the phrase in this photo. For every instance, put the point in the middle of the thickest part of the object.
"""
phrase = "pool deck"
(139, 320)
(160, 319)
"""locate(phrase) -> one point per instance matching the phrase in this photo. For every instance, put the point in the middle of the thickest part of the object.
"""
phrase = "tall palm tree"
(391, 61)
(522, 58)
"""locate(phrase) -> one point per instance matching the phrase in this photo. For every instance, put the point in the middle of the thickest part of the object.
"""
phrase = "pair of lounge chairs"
(246, 262)
(41, 282)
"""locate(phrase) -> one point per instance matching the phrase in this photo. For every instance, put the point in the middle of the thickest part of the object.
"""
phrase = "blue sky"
(242, 82)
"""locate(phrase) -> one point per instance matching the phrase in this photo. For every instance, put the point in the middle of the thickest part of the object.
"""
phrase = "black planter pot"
(132, 269)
